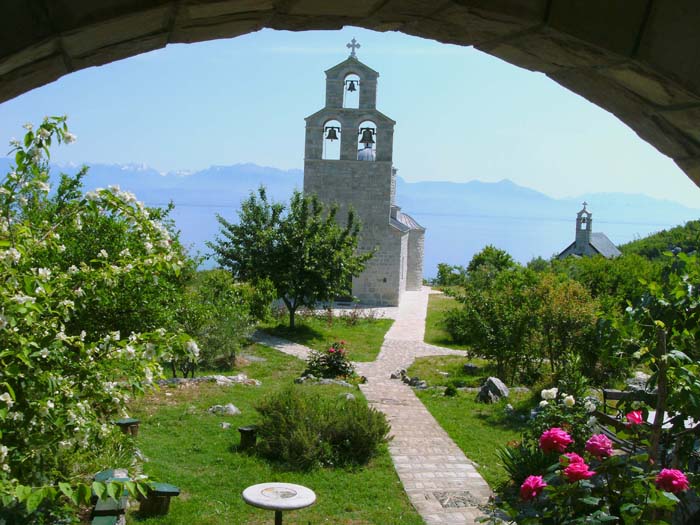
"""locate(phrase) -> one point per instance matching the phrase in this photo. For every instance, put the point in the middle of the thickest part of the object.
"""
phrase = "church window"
(331, 140)
(367, 141)
(351, 91)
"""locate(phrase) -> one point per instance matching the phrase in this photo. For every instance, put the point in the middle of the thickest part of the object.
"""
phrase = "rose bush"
(331, 363)
(67, 365)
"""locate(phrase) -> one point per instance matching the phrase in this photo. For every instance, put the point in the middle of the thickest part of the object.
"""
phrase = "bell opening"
(351, 91)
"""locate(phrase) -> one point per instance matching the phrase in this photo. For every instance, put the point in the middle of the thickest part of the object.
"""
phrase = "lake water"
(453, 239)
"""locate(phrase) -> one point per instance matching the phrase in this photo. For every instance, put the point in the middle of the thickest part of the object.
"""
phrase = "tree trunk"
(662, 388)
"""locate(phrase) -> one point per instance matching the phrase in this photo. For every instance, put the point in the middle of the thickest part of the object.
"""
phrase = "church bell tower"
(348, 162)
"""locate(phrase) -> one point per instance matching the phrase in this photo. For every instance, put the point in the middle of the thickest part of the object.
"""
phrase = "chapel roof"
(603, 245)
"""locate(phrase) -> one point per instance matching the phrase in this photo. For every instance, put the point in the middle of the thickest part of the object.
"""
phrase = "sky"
(461, 114)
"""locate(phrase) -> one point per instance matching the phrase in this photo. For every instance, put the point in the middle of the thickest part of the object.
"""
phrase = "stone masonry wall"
(416, 248)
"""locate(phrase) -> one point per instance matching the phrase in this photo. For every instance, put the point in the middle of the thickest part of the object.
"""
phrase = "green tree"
(495, 259)
(301, 249)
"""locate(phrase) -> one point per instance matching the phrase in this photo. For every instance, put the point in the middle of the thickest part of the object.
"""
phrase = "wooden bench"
(627, 395)
(109, 507)
(128, 425)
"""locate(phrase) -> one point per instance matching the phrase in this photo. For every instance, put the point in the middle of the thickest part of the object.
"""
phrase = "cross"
(353, 45)
(585, 204)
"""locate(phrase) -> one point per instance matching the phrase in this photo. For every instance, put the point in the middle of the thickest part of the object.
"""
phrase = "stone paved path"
(441, 482)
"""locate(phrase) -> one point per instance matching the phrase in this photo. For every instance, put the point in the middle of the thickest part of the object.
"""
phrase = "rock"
(339, 382)
(224, 410)
(443, 374)
(414, 381)
(638, 381)
(303, 379)
(406, 379)
(253, 358)
(421, 385)
(239, 379)
(225, 425)
(398, 374)
(492, 390)
(349, 397)
(470, 369)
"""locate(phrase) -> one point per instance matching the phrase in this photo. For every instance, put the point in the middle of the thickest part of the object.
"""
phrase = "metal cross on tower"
(353, 45)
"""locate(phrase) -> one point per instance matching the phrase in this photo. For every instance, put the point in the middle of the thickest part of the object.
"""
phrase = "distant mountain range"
(460, 217)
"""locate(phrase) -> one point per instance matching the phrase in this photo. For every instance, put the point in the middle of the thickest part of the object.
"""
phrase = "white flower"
(43, 186)
(69, 138)
(12, 254)
(148, 246)
(550, 394)
(589, 406)
(569, 401)
(79, 292)
(61, 336)
(43, 133)
(44, 353)
(49, 404)
(92, 195)
(125, 253)
(28, 126)
(67, 303)
(543, 404)
(103, 253)
(44, 274)
(591, 421)
(3, 322)
(39, 290)
(130, 350)
(7, 398)
(3, 453)
(192, 347)
(164, 243)
(149, 375)
(4, 191)
(73, 269)
(21, 299)
(61, 248)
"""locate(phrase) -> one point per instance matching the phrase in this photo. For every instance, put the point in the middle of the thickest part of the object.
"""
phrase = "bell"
(351, 86)
(367, 136)
(332, 135)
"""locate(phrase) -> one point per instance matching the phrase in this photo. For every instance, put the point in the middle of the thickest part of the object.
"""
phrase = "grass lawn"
(364, 338)
(478, 429)
(435, 334)
(430, 368)
(187, 447)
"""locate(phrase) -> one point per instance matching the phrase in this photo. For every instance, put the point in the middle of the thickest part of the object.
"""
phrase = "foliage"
(491, 259)
(330, 363)
(218, 313)
(496, 320)
(303, 431)
(450, 275)
(306, 255)
(63, 374)
(686, 238)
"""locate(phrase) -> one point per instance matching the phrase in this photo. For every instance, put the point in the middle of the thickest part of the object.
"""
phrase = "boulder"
(638, 381)
(224, 410)
(492, 390)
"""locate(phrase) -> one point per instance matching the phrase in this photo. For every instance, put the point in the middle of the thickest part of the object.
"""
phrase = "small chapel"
(348, 161)
(587, 243)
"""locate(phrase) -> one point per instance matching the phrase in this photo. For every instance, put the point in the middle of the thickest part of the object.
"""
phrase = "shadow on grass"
(301, 334)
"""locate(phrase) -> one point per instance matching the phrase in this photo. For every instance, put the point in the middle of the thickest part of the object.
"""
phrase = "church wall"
(383, 280)
(416, 248)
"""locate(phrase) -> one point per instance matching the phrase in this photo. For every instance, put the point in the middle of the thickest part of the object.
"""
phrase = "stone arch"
(352, 88)
(639, 59)
(331, 146)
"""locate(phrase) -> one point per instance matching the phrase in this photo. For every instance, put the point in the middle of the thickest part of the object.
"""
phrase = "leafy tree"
(685, 237)
(301, 249)
(450, 275)
(495, 259)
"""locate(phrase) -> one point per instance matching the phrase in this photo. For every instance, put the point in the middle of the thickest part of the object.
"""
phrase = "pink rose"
(599, 446)
(571, 457)
(577, 471)
(532, 487)
(672, 480)
(331, 350)
(635, 418)
(555, 440)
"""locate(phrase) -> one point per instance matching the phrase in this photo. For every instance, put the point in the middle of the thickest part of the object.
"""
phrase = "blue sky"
(461, 114)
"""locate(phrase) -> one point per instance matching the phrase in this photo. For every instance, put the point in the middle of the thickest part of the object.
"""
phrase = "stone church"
(587, 243)
(348, 161)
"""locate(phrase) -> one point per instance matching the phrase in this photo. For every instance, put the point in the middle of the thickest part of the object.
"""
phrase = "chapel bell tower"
(348, 161)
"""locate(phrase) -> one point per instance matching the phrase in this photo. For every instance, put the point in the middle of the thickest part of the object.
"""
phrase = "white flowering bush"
(86, 282)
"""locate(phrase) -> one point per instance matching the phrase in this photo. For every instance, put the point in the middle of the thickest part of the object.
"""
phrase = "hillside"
(685, 237)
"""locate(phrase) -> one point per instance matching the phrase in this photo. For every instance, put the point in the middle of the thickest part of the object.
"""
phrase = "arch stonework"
(639, 59)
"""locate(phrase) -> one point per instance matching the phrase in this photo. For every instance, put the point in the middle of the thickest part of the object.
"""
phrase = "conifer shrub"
(304, 430)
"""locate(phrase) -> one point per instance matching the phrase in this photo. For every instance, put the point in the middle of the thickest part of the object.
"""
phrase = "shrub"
(303, 431)
(331, 363)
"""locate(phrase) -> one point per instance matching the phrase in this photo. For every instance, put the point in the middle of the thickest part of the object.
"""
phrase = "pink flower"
(532, 487)
(672, 480)
(331, 350)
(599, 446)
(571, 457)
(577, 471)
(555, 440)
(635, 417)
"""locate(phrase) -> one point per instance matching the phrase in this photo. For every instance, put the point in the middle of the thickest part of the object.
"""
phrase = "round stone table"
(279, 497)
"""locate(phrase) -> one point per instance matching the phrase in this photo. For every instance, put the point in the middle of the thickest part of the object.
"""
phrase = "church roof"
(399, 225)
(350, 63)
(409, 221)
(604, 246)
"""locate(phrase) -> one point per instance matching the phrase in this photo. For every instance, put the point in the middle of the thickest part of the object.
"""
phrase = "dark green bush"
(302, 430)
(450, 391)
